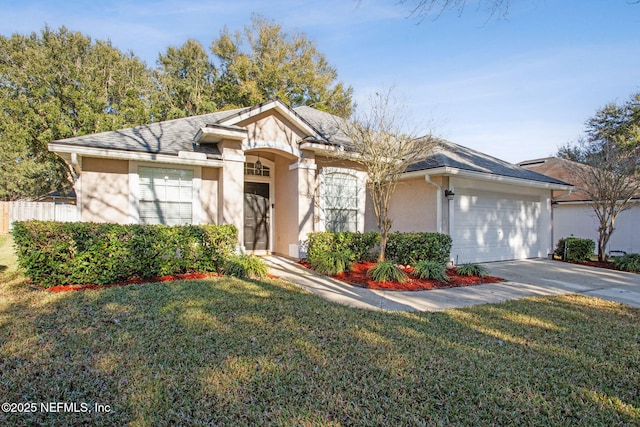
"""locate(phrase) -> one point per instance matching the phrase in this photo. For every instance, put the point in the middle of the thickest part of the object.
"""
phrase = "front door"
(256, 216)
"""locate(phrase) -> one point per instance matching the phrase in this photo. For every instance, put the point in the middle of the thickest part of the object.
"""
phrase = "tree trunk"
(383, 245)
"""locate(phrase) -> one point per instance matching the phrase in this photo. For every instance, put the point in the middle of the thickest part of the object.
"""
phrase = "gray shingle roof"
(445, 154)
(448, 154)
(172, 136)
(167, 137)
(326, 124)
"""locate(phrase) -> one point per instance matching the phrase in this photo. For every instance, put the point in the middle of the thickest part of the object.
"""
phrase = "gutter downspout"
(427, 178)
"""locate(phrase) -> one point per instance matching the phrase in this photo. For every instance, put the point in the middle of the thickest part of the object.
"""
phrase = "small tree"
(609, 181)
(608, 159)
(380, 142)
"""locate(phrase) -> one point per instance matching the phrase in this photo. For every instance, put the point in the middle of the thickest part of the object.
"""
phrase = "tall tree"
(608, 170)
(265, 62)
(382, 142)
(56, 85)
(184, 82)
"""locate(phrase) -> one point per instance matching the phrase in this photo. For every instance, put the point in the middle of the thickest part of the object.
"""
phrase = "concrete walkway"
(523, 278)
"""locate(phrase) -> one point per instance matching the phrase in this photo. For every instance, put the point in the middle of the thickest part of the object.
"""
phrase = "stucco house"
(273, 171)
(573, 213)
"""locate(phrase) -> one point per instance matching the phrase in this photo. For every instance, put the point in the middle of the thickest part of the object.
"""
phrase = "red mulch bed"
(358, 276)
(131, 281)
(599, 264)
(138, 281)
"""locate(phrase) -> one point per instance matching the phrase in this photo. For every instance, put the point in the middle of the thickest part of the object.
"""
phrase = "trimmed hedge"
(403, 248)
(575, 249)
(410, 248)
(356, 246)
(56, 253)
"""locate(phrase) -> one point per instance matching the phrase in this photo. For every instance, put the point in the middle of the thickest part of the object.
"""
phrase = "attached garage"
(493, 210)
(490, 226)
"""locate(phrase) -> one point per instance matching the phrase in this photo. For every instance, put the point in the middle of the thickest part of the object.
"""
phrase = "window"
(341, 205)
(256, 168)
(166, 196)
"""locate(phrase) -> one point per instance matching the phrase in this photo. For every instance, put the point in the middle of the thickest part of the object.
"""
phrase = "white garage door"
(494, 226)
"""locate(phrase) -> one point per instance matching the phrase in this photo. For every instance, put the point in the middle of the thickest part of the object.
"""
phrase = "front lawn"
(222, 351)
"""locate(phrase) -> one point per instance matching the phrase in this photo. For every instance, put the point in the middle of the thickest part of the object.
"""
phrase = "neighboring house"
(573, 214)
(58, 198)
(274, 172)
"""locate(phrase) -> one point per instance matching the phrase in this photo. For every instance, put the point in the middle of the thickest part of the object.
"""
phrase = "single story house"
(273, 171)
(573, 213)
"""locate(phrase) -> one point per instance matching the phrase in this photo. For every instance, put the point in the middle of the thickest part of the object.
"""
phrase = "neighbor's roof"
(449, 155)
(559, 169)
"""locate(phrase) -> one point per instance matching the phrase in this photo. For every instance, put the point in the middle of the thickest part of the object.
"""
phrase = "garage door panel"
(493, 226)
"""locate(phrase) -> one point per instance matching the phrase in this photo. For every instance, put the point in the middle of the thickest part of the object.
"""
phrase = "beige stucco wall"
(272, 128)
(209, 195)
(324, 162)
(285, 211)
(231, 187)
(104, 190)
(413, 206)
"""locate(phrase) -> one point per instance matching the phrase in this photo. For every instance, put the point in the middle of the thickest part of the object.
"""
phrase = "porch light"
(449, 194)
(258, 165)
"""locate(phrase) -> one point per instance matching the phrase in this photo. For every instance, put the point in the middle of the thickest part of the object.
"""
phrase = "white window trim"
(134, 189)
(362, 192)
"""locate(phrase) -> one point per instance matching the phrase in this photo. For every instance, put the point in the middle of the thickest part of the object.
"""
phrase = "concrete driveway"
(523, 278)
(561, 277)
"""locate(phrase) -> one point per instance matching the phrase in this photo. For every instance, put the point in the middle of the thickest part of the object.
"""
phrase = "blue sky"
(515, 88)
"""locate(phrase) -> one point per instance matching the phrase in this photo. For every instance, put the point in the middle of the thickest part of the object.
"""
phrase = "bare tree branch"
(424, 8)
(382, 143)
(610, 183)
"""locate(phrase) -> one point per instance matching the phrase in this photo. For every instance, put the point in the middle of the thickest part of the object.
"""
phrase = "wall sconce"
(449, 194)
(258, 166)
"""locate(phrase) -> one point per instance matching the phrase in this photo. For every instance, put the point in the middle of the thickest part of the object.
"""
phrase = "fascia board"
(132, 155)
(446, 170)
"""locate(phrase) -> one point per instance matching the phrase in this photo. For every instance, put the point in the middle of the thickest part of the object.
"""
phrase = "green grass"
(232, 352)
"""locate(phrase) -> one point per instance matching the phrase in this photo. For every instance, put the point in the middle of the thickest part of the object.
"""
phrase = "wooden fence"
(44, 211)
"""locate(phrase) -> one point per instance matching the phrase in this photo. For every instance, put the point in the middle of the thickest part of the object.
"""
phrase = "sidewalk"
(434, 300)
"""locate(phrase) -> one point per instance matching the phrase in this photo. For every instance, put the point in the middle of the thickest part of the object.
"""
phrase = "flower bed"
(358, 276)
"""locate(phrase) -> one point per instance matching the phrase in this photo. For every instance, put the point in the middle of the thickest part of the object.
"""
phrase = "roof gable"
(275, 105)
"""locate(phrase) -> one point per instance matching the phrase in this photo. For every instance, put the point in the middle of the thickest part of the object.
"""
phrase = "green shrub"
(360, 245)
(409, 248)
(53, 253)
(471, 269)
(628, 262)
(387, 271)
(243, 266)
(332, 263)
(575, 249)
(427, 269)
